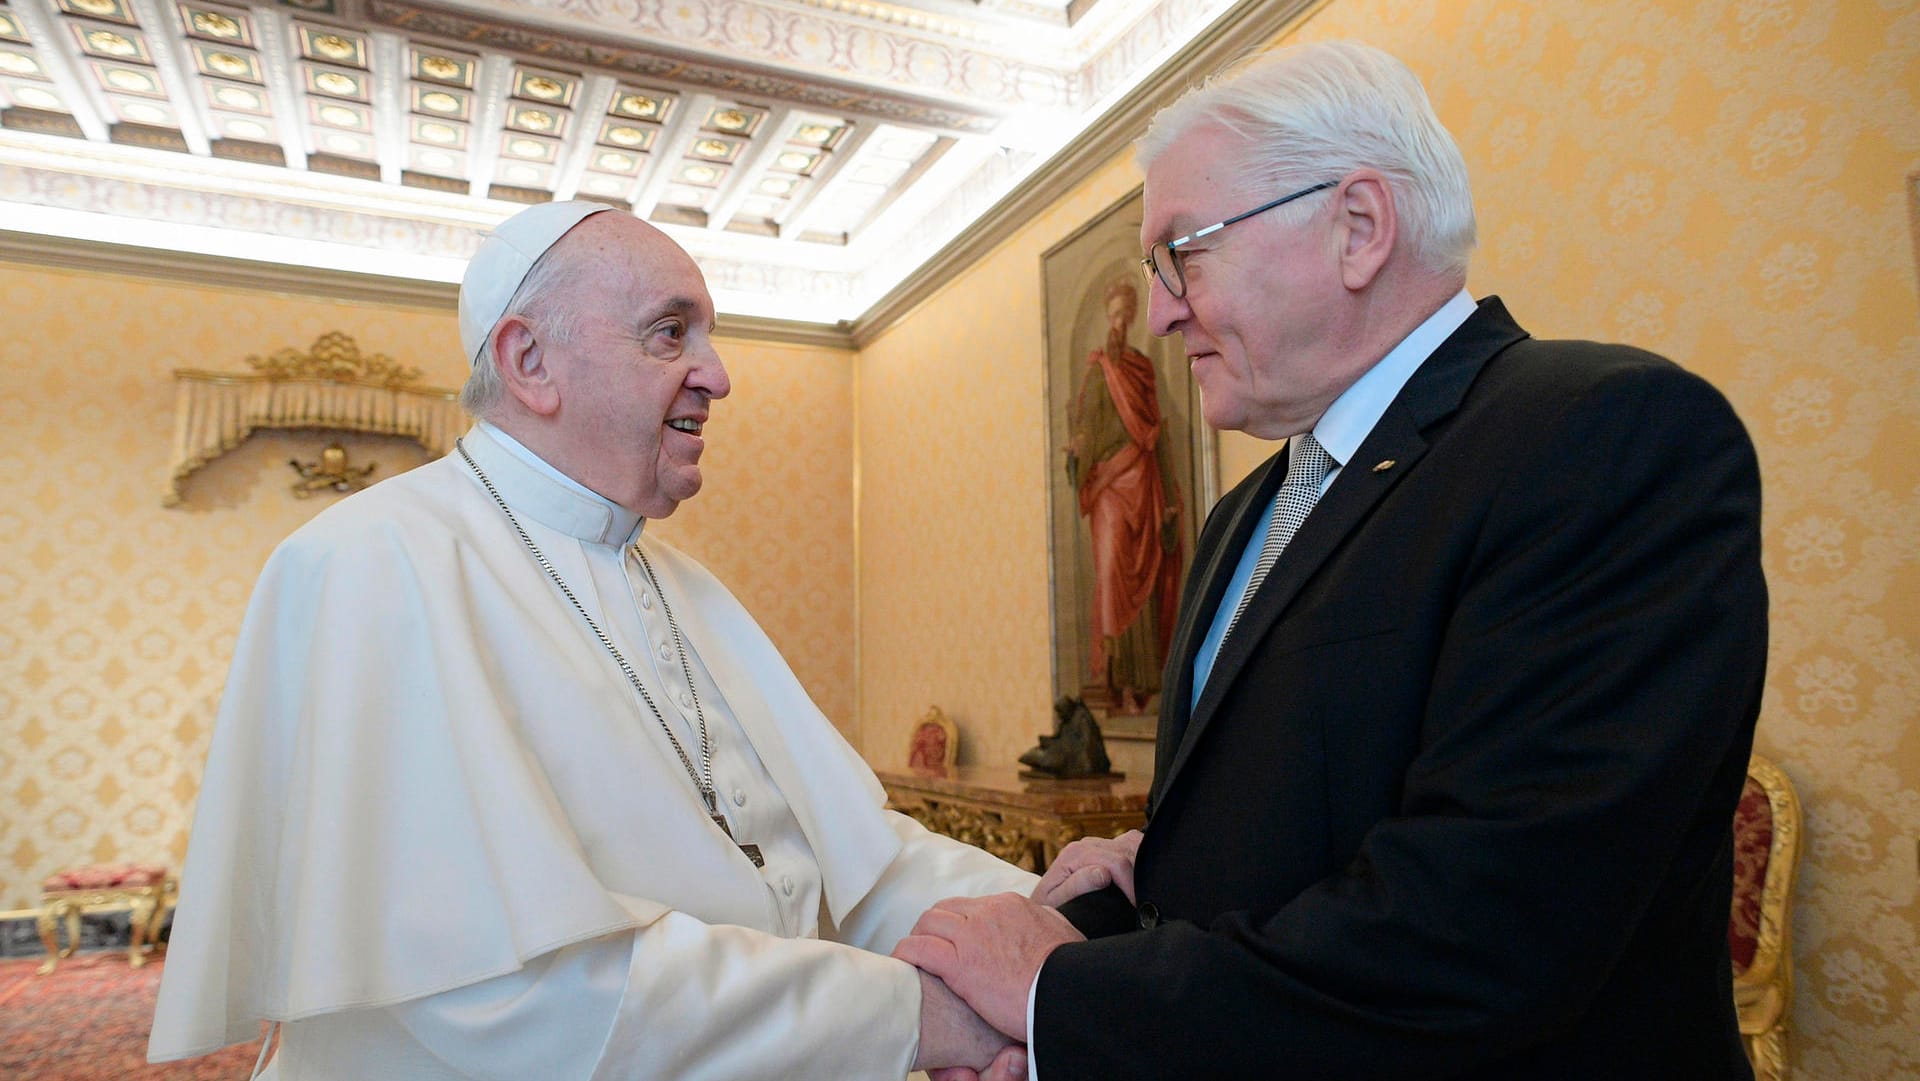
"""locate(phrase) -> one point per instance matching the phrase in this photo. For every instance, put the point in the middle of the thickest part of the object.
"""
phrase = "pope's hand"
(1089, 864)
(988, 950)
(952, 1034)
(1009, 1065)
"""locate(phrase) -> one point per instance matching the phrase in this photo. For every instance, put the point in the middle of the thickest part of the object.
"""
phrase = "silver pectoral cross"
(752, 851)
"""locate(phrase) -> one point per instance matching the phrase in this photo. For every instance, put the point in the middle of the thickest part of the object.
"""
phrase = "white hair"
(1317, 112)
(538, 300)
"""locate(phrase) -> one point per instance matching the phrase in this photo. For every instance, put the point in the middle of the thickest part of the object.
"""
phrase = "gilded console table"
(147, 889)
(1025, 822)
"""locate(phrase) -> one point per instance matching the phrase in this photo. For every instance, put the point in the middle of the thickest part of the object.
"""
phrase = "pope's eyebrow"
(683, 306)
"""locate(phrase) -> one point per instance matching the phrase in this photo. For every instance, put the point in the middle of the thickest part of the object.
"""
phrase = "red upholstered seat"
(98, 876)
(1752, 845)
(1766, 843)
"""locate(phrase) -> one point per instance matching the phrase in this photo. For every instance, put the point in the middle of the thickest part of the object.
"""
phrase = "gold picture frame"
(1100, 478)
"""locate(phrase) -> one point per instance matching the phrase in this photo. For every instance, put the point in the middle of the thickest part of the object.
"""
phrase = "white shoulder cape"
(426, 771)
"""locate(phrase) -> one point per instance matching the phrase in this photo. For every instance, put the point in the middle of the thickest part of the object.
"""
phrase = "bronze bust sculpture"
(1074, 750)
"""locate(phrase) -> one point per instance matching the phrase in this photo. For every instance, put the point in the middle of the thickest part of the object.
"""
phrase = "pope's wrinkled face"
(639, 371)
(1258, 319)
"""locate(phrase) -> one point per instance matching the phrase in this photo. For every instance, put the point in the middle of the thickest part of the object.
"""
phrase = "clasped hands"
(978, 957)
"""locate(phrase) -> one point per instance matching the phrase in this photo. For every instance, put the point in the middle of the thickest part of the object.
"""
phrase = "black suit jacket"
(1457, 799)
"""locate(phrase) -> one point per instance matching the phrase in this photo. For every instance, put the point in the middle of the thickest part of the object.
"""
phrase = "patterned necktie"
(1307, 465)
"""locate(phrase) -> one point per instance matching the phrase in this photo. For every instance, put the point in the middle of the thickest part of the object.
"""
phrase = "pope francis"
(502, 788)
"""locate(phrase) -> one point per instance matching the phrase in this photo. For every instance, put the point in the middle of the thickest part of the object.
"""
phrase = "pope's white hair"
(1317, 112)
(541, 299)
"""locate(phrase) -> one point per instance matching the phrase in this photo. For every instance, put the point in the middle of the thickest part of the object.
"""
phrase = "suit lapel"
(1435, 390)
(1206, 585)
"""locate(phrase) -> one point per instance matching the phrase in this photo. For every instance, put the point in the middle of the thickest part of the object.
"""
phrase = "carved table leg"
(48, 924)
(146, 905)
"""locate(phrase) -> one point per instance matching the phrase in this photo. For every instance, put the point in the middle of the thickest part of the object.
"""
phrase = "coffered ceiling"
(810, 153)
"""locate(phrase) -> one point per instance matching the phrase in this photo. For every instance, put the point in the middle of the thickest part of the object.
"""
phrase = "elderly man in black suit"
(1465, 678)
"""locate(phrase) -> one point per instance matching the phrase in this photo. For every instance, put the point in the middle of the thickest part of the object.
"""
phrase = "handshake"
(979, 956)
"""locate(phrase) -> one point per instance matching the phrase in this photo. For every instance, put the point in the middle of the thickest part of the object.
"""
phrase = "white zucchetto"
(509, 252)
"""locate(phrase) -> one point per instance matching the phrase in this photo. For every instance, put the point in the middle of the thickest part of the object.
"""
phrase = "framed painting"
(1131, 468)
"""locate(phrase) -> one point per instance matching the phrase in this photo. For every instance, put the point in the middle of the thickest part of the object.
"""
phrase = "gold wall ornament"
(336, 358)
(330, 473)
(332, 385)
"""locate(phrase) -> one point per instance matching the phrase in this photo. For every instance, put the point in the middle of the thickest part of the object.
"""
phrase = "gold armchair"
(1766, 847)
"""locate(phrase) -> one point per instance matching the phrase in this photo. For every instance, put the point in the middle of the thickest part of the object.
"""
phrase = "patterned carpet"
(88, 1021)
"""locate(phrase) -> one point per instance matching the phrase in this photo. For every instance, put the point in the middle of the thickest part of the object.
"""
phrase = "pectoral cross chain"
(752, 851)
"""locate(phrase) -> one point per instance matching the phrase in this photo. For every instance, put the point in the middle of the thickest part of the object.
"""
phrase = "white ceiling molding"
(835, 200)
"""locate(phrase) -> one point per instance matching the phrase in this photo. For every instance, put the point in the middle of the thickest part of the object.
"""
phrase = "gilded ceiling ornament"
(439, 67)
(336, 358)
(228, 64)
(440, 102)
(214, 24)
(122, 79)
(730, 120)
(339, 116)
(97, 7)
(237, 98)
(439, 133)
(637, 105)
(35, 98)
(18, 64)
(710, 148)
(542, 87)
(112, 44)
(335, 83)
(796, 162)
(626, 136)
(335, 47)
(536, 120)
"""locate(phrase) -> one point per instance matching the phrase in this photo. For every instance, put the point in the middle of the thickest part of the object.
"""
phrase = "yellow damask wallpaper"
(120, 615)
(1722, 181)
(953, 511)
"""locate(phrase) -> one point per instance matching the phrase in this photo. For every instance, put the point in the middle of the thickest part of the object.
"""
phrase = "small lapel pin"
(1383, 466)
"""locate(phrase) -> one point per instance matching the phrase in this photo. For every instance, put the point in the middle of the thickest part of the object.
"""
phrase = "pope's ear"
(517, 355)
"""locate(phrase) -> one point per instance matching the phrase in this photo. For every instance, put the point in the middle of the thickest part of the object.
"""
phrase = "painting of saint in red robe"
(1120, 465)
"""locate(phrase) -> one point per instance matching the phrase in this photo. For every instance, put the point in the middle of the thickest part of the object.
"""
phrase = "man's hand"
(988, 950)
(1089, 864)
(951, 1034)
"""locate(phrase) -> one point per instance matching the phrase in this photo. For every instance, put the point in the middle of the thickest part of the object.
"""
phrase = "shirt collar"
(1352, 416)
(533, 487)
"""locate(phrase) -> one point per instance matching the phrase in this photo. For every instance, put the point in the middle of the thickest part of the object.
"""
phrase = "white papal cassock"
(440, 835)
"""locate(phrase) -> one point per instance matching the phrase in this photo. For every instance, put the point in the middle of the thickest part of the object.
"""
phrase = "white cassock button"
(664, 652)
(686, 700)
(786, 885)
(646, 599)
(739, 797)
